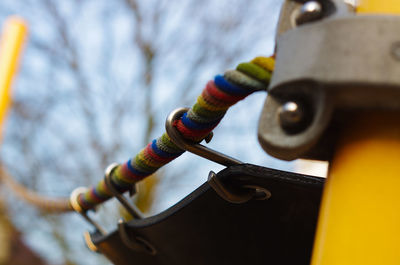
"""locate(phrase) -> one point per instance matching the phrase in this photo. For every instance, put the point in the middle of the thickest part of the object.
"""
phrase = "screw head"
(290, 112)
(310, 11)
(292, 117)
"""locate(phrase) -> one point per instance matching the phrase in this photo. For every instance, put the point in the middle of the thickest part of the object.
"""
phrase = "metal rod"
(194, 148)
(73, 199)
(129, 207)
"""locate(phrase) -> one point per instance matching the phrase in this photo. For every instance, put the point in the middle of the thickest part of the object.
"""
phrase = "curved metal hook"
(229, 195)
(242, 195)
(195, 148)
(89, 242)
(139, 244)
(129, 207)
(73, 200)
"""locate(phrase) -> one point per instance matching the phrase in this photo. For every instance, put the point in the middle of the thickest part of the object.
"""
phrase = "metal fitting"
(329, 71)
(291, 116)
(310, 11)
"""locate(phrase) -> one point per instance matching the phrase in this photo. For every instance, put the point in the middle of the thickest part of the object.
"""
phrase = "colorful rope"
(211, 106)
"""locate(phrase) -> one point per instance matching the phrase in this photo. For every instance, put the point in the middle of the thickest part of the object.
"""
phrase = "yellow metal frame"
(11, 44)
(359, 222)
(378, 7)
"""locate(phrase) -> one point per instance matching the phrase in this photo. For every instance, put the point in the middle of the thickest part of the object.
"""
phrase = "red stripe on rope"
(129, 174)
(150, 153)
(189, 134)
(213, 90)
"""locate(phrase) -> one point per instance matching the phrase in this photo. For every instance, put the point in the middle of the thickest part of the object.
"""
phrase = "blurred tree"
(12, 248)
(98, 79)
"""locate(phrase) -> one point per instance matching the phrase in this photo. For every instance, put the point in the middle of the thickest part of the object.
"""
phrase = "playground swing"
(321, 104)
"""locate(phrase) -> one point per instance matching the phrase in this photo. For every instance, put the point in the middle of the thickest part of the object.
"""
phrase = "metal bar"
(378, 6)
(11, 44)
(360, 210)
(129, 207)
(77, 208)
(194, 148)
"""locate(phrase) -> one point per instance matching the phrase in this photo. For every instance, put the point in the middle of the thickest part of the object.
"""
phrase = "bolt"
(310, 11)
(291, 117)
(290, 112)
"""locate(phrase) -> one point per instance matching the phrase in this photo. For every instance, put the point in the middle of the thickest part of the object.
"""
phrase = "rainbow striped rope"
(211, 106)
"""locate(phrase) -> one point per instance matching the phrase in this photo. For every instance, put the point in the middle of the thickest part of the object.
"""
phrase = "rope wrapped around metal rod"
(194, 125)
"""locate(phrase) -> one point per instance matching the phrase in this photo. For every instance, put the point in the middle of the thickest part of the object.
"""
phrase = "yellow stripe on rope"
(205, 105)
(267, 63)
(12, 40)
(148, 161)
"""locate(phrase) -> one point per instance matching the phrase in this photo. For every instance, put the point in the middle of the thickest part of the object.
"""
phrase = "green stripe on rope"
(254, 71)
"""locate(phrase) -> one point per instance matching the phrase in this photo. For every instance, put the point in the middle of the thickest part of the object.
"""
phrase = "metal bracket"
(326, 68)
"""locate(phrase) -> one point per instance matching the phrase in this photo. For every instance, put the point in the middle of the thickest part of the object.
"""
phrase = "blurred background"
(96, 82)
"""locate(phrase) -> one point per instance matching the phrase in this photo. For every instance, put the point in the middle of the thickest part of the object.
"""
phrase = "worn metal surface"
(342, 63)
(291, 9)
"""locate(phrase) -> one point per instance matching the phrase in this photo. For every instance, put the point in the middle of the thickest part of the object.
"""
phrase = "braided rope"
(211, 106)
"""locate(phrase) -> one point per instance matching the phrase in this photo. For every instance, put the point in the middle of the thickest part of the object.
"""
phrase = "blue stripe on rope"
(229, 88)
(196, 125)
(135, 171)
(162, 153)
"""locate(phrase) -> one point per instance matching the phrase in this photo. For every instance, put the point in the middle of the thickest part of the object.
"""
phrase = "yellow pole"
(359, 222)
(379, 7)
(11, 44)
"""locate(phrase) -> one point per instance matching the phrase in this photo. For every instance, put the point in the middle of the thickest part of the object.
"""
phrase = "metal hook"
(139, 244)
(245, 194)
(129, 207)
(195, 148)
(229, 195)
(89, 242)
(73, 200)
(261, 193)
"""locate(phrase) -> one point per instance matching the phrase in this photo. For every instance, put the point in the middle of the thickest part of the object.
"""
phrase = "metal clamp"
(335, 76)
(241, 195)
(129, 207)
(195, 148)
(138, 244)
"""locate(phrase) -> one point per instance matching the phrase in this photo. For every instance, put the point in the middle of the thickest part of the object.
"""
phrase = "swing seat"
(204, 228)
